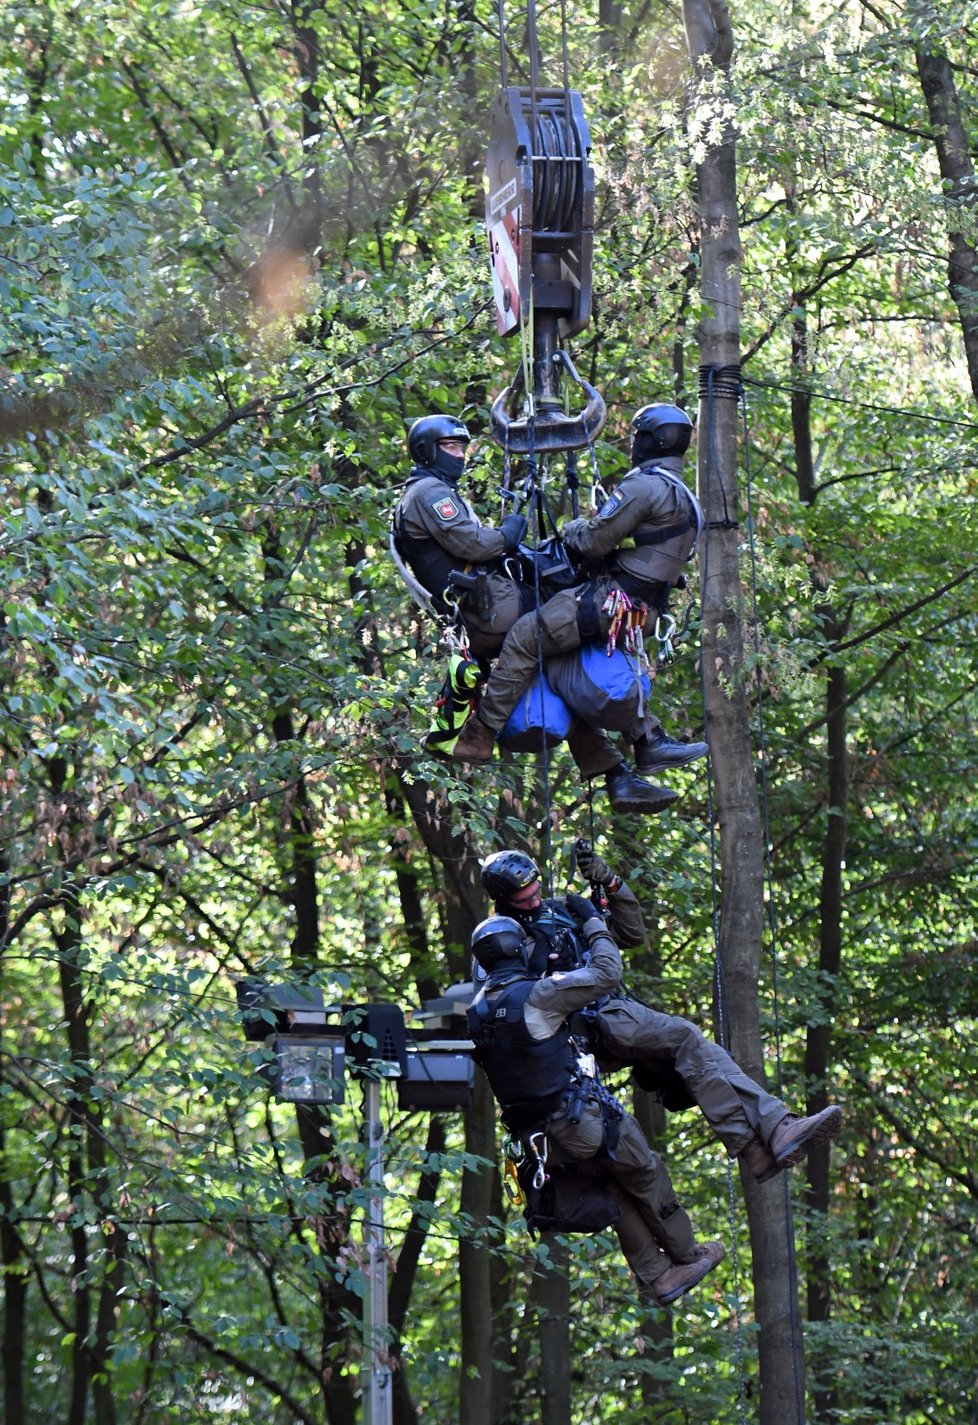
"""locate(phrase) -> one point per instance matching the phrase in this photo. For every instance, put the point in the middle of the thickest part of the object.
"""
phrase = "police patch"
(611, 504)
(446, 509)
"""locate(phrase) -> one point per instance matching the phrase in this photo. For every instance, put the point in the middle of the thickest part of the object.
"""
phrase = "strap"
(422, 597)
(659, 536)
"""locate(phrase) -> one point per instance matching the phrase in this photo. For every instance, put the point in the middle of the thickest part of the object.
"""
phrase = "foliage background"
(241, 250)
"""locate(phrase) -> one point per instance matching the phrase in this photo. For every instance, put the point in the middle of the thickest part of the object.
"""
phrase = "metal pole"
(378, 1398)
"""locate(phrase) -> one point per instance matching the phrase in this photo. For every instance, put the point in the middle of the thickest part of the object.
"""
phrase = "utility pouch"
(567, 1200)
(588, 618)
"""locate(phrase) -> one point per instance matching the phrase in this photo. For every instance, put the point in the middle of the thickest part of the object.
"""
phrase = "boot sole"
(823, 1134)
(639, 805)
(668, 764)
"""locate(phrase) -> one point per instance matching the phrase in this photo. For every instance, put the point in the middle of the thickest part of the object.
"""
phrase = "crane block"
(540, 209)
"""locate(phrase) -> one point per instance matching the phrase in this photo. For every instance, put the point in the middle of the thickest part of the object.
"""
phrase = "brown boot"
(678, 1279)
(793, 1136)
(475, 742)
(760, 1161)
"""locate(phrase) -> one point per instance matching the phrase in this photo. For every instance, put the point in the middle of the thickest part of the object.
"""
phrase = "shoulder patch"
(611, 504)
(446, 509)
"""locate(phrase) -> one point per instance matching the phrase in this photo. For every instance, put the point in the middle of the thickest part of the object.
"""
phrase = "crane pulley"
(540, 223)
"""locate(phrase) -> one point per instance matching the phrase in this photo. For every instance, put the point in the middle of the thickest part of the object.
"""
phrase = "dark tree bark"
(12, 1256)
(958, 171)
(818, 1042)
(338, 1304)
(88, 1185)
(710, 43)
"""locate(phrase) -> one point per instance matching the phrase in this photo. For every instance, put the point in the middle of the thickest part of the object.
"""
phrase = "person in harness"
(633, 551)
(441, 545)
(667, 1054)
(518, 1023)
(451, 561)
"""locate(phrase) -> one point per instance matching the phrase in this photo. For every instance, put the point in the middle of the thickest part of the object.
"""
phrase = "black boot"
(626, 792)
(657, 752)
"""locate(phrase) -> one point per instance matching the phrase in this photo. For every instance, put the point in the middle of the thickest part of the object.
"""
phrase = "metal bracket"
(547, 428)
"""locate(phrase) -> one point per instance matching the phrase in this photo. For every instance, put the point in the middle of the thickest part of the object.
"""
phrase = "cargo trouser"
(545, 633)
(654, 1231)
(735, 1106)
(506, 606)
(590, 748)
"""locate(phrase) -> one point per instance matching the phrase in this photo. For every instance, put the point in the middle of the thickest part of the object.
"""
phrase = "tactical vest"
(679, 540)
(529, 1077)
(429, 564)
(555, 932)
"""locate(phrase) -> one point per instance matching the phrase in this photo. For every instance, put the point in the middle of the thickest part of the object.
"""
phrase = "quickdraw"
(627, 622)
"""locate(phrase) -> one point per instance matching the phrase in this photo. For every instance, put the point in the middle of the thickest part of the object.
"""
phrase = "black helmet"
(505, 872)
(496, 940)
(659, 429)
(423, 447)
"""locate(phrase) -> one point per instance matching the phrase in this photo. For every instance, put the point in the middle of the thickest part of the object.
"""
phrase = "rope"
(502, 42)
(718, 383)
(719, 984)
(798, 1377)
(723, 383)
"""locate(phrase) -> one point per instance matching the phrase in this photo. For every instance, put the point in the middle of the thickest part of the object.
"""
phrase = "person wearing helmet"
(519, 1024)
(436, 534)
(667, 1054)
(635, 548)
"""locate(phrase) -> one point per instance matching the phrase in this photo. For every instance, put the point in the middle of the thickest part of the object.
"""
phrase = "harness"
(419, 556)
(694, 519)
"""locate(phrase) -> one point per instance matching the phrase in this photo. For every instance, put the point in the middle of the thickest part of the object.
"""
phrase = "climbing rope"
(724, 383)
(797, 1373)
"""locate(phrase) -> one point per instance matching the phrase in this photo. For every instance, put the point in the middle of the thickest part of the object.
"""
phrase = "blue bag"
(612, 693)
(540, 719)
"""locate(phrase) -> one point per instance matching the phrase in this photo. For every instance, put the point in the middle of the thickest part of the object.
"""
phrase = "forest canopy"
(242, 248)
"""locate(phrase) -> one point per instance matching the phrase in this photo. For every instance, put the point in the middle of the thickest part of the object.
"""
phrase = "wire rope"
(773, 932)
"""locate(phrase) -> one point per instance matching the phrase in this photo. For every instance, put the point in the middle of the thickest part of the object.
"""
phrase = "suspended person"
(519, 1025)
(437, 537)
(669, 1053)
(634, 549)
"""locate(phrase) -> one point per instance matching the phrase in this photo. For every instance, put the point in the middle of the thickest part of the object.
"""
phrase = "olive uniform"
(621, 1030)
(437, 531)
(639, 541)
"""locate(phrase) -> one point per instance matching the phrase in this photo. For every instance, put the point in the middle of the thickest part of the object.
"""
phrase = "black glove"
(580, 907)
(513, 528)
(592, 867)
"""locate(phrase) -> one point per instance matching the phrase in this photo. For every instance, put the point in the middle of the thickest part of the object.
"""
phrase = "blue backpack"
(540, 719)
(612, 693)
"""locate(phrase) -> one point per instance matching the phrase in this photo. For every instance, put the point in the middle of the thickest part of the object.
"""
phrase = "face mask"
(450, 466)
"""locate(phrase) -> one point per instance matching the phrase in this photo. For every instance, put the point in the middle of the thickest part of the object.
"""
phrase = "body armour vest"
(661, 547)
(528, 1076)
(430, 564)
(554, 931)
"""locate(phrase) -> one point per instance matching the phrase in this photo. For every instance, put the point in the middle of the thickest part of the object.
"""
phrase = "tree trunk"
(479, 1392)
(12, 1256)
(958, 171)
(338, 1304)
(553, 1315)
(818, 1042)
(710, 44)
